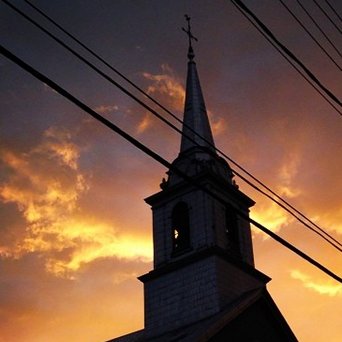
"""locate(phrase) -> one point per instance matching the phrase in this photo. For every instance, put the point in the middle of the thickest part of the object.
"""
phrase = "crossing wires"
(295, 62)
(325, 35)
(158, 158)
(311, 35)
(327, 16)
(269, 193)
(333, 9)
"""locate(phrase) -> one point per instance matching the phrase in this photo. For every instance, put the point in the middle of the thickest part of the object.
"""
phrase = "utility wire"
(327, 15)
(286, 57)
(159, 159)
(96, 55)
(336, 244)
(319, 28)
(244, 9)
(333, 9)
(175, 128)
(309, 33)
(179, 131)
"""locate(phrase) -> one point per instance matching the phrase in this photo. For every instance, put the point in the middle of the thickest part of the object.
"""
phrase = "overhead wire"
(239, 175)
(288, 55)
(193, 131)
(319, 28)
(334, 242)
(333, 9)
(34, 72)
(310, 34)
(327, 16)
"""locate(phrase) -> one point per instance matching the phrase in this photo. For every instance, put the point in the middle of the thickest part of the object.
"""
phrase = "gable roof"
(252, 317)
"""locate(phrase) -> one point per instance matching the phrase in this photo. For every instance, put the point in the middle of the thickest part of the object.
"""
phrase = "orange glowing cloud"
(268, 212)
(144, 123)
(286, 175)
(167, 85)
(331, 220)
(43, 193)
(46, 184)
(96, 241)
(329, 289)
(218, 124)
(169, 88)
(271, 215)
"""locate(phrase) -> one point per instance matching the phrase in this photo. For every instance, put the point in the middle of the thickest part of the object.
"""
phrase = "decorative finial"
(191, 54)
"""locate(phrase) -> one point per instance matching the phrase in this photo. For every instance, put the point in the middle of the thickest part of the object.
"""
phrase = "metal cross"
(190, 35)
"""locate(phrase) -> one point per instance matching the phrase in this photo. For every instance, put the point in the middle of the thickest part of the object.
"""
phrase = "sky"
(75, 232)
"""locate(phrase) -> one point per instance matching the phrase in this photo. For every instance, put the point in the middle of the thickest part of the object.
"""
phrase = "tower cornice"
(209, 178)
(205, 253)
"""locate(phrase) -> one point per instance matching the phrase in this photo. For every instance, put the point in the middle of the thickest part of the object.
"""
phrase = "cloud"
(105, 109)
(327, 289)
(218, 124)
(283, 177)
(93, 241)
(166, 86)
(46, 184)
(270, 215)
(332, 220)
(287, 173)
(144, 123)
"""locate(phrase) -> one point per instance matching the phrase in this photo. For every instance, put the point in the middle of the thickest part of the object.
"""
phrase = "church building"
(204, 285)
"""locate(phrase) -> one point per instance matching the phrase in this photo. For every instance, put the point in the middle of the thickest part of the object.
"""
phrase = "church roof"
(196, 127)
(197, 150)
(196, 123)
(252, 317)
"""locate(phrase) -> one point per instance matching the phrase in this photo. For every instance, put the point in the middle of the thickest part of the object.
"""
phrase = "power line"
(179, 131)
(319, 28)
(327, 15)
(175, 128)
(298, 218)
(310, 34)
(193, 131)
(96, 55)
(333, 9)
(289, 55)
(158, 158)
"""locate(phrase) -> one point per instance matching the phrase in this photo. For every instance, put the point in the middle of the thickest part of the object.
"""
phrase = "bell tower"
(203, 254)
(204, 286)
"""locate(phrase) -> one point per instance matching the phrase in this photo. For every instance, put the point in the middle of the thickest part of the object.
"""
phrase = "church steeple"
(196, 123)
(197, 151)
(195, 114)
(203, 255)
(204, 286)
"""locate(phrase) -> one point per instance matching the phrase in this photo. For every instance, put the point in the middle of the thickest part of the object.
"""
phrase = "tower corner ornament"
(191, 54)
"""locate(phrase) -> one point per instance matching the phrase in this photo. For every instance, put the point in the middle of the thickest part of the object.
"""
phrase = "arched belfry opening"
(180, 228)
(232, 232)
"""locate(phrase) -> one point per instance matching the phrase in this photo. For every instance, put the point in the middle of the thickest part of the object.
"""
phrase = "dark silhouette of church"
(204, 286)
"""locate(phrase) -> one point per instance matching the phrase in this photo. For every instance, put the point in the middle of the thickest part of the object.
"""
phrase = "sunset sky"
(75, 230)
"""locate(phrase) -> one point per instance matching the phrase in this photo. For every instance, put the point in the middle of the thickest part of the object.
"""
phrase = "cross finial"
(191, 54)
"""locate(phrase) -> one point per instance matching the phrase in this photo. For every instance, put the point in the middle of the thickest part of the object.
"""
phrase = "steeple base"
(194, 288)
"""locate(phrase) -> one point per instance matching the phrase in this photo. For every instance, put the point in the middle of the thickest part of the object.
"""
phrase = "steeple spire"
(195, 113)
